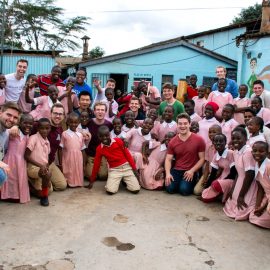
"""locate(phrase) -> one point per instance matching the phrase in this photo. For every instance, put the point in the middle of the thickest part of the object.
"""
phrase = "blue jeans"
(180, 185)
(3, 177)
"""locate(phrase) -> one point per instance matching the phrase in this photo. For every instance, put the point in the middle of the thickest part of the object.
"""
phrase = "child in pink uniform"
(264, 113)
(260, 216)
(208, 121)
(37, 157)
(220, 97)
(111, 104)
(117, 131)
(242, 197)
(151, 168)
(189, 106)
(153, 114)
(161, 129)
(67, 96)
(16, 187)
(136, 137)
(72, 157)
(200, 101)
(43, 103)
(209, 154)
(228, 124)
(129, 121)
(222, 171)
(83, 127)
(3, 83)
(194, 127)
(241, 103)
(31, 83)
(255, 130)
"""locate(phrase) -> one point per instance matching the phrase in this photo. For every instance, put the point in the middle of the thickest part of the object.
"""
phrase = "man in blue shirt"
(231, 86)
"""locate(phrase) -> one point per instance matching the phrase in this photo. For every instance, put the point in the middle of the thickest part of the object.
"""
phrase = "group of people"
(54, 135)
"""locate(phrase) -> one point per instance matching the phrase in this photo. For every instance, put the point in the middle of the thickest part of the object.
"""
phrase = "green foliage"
(40, 25)
(249, 13)
(96, 52)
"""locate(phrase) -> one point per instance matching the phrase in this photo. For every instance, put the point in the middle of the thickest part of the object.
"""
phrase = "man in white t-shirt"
(16, 81)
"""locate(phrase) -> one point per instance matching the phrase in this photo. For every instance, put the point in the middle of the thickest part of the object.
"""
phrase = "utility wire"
(163, 9)
(160, 9)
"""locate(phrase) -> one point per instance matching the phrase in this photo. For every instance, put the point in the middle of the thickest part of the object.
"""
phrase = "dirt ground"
(83, 229)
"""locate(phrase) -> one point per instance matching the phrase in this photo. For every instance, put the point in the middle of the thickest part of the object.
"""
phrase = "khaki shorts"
(33, 177)
(103, 170)
(117, 174)
(58, 180)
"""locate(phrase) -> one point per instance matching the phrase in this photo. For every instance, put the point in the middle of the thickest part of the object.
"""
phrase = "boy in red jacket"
(120, 161)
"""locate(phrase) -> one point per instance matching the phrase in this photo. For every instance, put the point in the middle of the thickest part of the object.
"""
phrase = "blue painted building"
(173, 59)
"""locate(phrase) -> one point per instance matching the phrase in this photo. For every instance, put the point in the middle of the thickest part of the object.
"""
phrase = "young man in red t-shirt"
(188, 150)
(121, 163)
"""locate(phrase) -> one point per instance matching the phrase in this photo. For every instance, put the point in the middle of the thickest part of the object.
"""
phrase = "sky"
(116, 29)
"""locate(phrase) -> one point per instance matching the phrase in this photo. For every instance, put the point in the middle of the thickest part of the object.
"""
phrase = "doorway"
(121, 81)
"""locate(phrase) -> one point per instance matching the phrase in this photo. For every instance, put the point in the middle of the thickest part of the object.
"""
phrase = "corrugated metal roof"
(37, 64)
(156, 47)
(13, 50)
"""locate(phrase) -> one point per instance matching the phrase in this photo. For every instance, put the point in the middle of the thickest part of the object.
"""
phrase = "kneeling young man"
(121, 164)
(188, 149)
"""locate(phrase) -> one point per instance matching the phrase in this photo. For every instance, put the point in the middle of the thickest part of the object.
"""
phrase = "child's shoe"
(44, 201)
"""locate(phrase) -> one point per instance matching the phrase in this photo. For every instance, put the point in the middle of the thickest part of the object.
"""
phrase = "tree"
(96, 52)
(39, 24)
(249, 13)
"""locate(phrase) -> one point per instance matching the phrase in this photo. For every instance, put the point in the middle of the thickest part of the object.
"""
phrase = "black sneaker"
(44, 201)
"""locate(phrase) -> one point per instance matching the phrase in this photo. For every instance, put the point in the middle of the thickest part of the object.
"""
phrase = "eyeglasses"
(57, 114)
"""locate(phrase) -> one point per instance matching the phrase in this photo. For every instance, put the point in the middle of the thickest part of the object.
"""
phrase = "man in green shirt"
(168, 92)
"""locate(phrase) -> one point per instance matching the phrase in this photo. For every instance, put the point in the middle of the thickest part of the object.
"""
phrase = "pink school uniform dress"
(243, 162)
(251, 140)
(148, 172)
(43, 109)
(161, 129)
(264, 113)
(23, 105)
(122, 135)
(2, 96)
(227, 128)
(204, 126)
(127, 129)
(224, 162)
(84, 131)
(72, 159)
(241, 103)
(195, 117)
(16, 186)
(210, 151)
(221, 99)
(135, 140)
(64, 101)
(263, 178)
(114, 109)
(199, 105)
